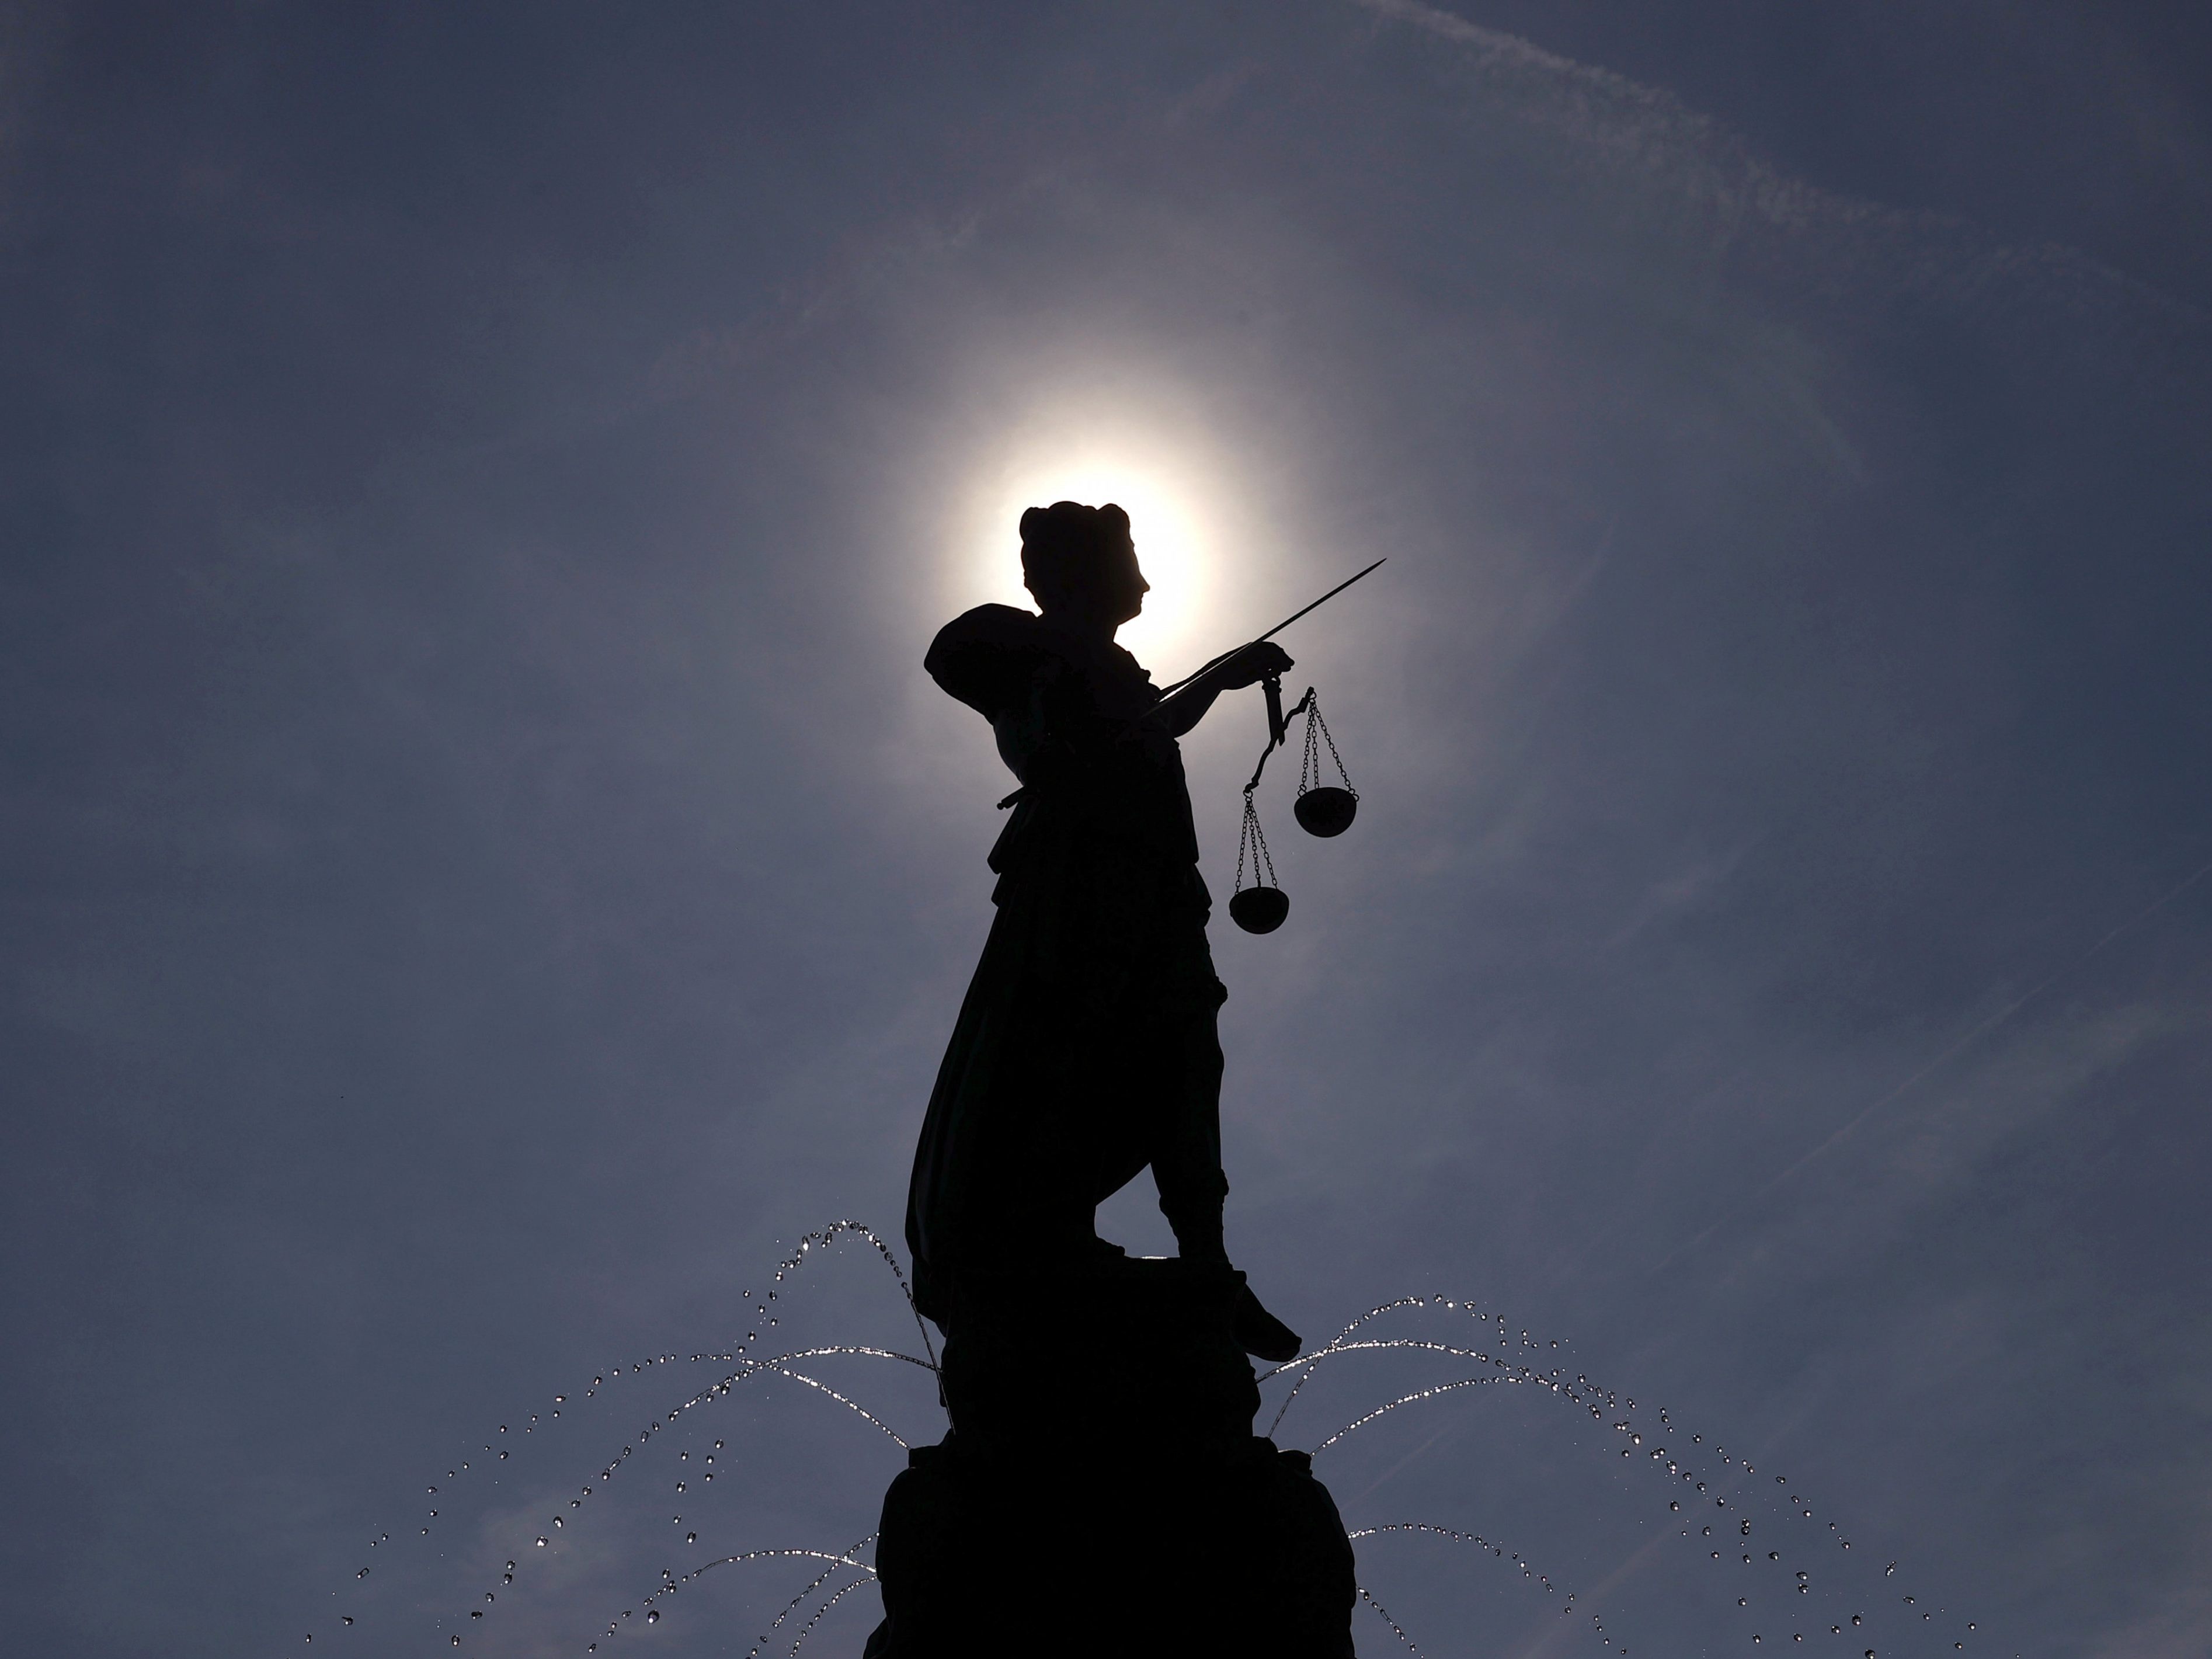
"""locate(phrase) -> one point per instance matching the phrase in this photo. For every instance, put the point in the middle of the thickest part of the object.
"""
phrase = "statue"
(1085, 1050)
(1101, 1492)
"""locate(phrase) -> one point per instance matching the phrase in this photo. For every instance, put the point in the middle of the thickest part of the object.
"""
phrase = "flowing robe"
(1086, 1048)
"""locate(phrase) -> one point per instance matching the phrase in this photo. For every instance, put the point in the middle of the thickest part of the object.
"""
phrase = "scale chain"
(1309, 772)
(1249, 835)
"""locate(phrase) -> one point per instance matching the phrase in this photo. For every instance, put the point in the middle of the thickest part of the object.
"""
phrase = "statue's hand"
(1255, 663)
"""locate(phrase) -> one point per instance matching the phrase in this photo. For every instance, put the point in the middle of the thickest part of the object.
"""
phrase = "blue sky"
(485, 874)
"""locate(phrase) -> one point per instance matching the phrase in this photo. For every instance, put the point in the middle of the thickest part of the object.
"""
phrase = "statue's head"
(1080, 564)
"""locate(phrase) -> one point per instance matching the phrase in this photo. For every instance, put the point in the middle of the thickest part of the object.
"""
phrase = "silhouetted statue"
(1100, 1493)
(1085, 1050)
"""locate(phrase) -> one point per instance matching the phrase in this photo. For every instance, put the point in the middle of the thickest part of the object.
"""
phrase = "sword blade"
(1320, 602)
(1182, 684)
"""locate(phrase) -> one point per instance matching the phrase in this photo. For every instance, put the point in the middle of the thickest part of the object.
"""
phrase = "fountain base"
(1101, 1491)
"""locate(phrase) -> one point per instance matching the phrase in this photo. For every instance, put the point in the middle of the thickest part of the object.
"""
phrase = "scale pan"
(1325, 811)
(1259, 909)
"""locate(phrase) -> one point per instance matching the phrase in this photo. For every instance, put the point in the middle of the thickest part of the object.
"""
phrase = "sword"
(1273, 688)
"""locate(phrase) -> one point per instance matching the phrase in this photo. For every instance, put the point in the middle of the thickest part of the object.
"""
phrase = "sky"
(483, 874)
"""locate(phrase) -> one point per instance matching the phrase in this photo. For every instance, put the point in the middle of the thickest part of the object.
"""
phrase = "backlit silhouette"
(1085, 1050)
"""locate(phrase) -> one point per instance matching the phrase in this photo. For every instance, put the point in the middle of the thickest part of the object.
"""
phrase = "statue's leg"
(1187, 1153)
(1184, 1063)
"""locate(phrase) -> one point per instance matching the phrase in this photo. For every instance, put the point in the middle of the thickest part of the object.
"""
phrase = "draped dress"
(1086, 1048)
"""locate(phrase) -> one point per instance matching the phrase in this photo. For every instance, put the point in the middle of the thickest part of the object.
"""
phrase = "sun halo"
(1171, 545)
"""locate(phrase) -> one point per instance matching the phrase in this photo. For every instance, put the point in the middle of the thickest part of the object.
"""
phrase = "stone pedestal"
(1101, 1491)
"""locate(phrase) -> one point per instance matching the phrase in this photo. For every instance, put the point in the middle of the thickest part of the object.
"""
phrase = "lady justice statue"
(1099, 1403)
(1085, 1050)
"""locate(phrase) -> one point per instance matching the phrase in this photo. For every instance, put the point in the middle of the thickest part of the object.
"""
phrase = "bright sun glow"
(1168, 541)
(1178, 546)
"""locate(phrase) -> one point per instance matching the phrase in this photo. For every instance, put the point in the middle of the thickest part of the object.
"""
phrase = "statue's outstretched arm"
(1246, 665)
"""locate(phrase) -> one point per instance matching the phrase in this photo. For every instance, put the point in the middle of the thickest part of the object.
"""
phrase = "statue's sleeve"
(987, 658)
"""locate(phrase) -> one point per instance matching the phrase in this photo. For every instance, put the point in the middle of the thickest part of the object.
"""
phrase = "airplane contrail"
(1950, 1054)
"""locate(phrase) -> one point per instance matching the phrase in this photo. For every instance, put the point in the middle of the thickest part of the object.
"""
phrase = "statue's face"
(1123, 584)
(1108, 589)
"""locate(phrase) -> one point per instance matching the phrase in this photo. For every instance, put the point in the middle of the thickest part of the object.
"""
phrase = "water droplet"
(363, 1573)
(348, 1620)
(1674, 1506)
(652, 1616)
(541, 1543)
(690, 1537)
(559, 1522)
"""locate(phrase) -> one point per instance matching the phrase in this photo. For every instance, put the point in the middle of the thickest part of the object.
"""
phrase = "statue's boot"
(1262, 1334)
(1259, 1333)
